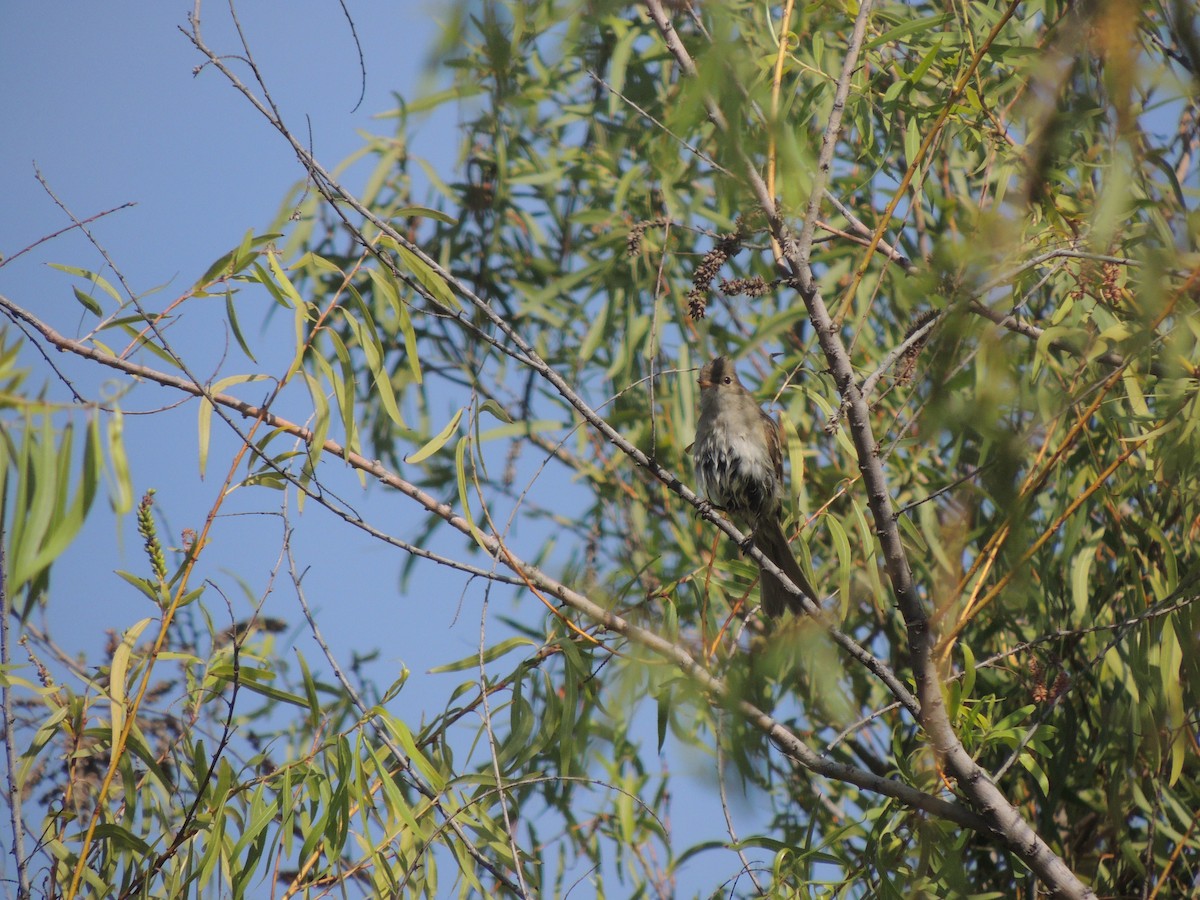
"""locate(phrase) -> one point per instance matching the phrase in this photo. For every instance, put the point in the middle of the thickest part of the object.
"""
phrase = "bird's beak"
(704, 383)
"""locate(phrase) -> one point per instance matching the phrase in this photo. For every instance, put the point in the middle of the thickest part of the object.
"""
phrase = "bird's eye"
(728, 380)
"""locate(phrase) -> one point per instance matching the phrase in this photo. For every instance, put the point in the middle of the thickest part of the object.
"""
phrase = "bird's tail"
(770, 539)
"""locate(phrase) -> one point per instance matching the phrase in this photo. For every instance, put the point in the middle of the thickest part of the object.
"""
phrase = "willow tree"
(951, 246)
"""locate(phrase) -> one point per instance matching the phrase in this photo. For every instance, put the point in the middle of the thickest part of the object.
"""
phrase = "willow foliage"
(994, 251)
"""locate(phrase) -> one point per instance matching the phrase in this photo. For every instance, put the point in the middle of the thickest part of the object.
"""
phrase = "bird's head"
(719, 374)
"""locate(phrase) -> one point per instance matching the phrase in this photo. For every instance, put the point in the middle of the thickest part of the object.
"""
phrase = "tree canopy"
(952, 246)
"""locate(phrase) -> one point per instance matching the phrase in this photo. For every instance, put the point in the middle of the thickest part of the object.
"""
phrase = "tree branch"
(1017, 834)
(783, 738)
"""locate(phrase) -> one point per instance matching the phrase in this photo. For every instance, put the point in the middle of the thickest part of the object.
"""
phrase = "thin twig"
(4, 261)
(485, 709)
(833, 130)
(382, 734)
(14, 798)
(695, 151)
(747, 865)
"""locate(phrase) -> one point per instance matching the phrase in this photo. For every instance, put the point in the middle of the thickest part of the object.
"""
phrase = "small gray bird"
(738, 455)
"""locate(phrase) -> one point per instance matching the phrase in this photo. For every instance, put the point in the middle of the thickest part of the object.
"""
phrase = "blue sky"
(110, 112)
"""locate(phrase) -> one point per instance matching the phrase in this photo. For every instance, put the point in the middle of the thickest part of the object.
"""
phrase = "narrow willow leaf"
(122, 839)
(216, 836)
(368, 338)
(663, 699)
(46, 731)
(235, 261)
(918, 73)
(92, 278)
(320, 423)
(122, 486)
(933, 25)
(909, 527)
(203, 433)
(149, 588)
(140, 748)
(521, 429)
(1081, 569)
(66, 514)
(496, 410)
(489, 655)
(310, 686)
(912, 141)
(423, 212)
(37, 484)
(439, 440)
(283, 281)
(425, 276)
(220, 268)
(1031, 765)
(403, 736)
(315, 830)
(425, 102)
(343, 389)
(410, 342)
(460, 472)
(226, 673)
(397, 806)
(845, 555)
(235, 326)
(1169, 664)
(120, 667)
(618, 61)
(88, 302)
(205, 413)
(263, 278)
(968, 681)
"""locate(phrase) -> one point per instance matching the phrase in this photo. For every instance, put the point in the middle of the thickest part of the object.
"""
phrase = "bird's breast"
(735, 469)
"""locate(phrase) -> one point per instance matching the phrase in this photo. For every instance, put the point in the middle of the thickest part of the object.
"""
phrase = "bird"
(738, 458)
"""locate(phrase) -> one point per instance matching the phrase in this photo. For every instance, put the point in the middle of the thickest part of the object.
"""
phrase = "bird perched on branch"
(738, 455)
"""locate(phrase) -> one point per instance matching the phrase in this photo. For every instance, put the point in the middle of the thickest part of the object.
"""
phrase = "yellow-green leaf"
(116, 681)
(439, 441)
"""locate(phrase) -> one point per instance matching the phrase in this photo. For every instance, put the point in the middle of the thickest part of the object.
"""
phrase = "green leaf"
(912, 141)
(123, 839)
(117, 673)
(203, 433)
(46, 731)
(92, 278)
(433, 283)
(968, 681)
(433, 777)
(88, 302)
(491, 406)
(663, 698)
(1081, 568)
(489, 655)
(423, 212)
(845, 555)
(235, 326)
(410, 342)
(122, 485)
(933, 25)
(250, 680)
(205, 412)
(439, 440)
